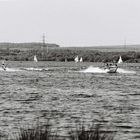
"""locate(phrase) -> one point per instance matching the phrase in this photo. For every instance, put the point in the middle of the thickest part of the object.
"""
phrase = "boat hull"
(112, 69)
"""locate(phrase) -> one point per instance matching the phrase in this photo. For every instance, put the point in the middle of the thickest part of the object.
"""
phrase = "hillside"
(26, 46)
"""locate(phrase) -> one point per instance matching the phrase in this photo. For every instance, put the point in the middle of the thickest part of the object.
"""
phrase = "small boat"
(120, 60)
(3, 65)
(66, 60)
(76, 59)
(111, 68)
(81, 59)
(35, 59)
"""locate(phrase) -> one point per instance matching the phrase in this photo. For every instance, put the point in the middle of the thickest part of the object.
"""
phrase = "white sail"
(66, 60)
(120, 60)
(35, 59)
(76, 59)
(81, 59)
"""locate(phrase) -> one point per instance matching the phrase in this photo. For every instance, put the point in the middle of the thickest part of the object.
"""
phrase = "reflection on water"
(67, 95)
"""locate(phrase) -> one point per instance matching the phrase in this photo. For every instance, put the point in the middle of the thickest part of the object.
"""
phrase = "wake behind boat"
(92, 69)
(35, 69)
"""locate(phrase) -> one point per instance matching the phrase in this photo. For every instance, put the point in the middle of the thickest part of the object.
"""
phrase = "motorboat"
(111, 68)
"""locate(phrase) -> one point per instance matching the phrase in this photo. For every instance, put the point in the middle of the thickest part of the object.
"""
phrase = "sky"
(71, 22)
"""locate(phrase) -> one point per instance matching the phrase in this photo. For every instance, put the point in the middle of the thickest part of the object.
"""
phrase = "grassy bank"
(59, 54)
(52, 52)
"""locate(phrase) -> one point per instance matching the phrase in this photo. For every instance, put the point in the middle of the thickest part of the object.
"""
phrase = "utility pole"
(125, 43)
(44, 44)
(43, 40)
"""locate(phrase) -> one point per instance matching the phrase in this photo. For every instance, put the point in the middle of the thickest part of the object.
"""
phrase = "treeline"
(58, 54)
(26, 46)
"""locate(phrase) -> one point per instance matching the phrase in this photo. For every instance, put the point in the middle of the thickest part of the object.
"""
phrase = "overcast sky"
(71, 22)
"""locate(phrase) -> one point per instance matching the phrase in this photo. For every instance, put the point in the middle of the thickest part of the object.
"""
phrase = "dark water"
(67, 96)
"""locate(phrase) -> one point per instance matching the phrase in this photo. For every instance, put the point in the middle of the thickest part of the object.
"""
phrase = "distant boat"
(120, 60)
(81, 59)
(66, 60)
(76, 59)
(3, 65)
(35, 58)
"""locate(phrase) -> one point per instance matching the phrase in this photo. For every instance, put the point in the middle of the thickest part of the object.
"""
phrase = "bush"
(44, 133)
(93, 133)
(37, 133)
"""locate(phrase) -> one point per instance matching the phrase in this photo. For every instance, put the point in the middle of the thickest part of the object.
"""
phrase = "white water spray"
(92, 69)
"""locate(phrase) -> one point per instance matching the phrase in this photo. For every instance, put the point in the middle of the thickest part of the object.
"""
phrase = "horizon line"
(106, 45)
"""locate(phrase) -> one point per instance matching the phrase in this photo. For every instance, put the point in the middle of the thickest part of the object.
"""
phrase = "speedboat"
(111, 68)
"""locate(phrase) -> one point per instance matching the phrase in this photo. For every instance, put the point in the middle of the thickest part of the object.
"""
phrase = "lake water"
(68, 93)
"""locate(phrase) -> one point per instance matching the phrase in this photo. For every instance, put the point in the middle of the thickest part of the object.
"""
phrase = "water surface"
(68, 93)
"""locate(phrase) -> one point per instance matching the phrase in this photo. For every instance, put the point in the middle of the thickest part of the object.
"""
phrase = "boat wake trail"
(10, 69)
(120, 70)
(92, 69)
(35, 69)
(23, 69)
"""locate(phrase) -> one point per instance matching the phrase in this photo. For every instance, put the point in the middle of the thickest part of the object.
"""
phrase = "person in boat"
(115, 63)
(109, 65)
(3, 66)
(106, 66)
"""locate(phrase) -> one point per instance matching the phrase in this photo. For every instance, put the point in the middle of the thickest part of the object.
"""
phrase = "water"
(68, 93)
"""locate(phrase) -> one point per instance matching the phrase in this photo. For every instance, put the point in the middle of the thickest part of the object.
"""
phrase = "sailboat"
(120, 60)
(35, 58)
(76, 59)
(81, 59)
(66, 60)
